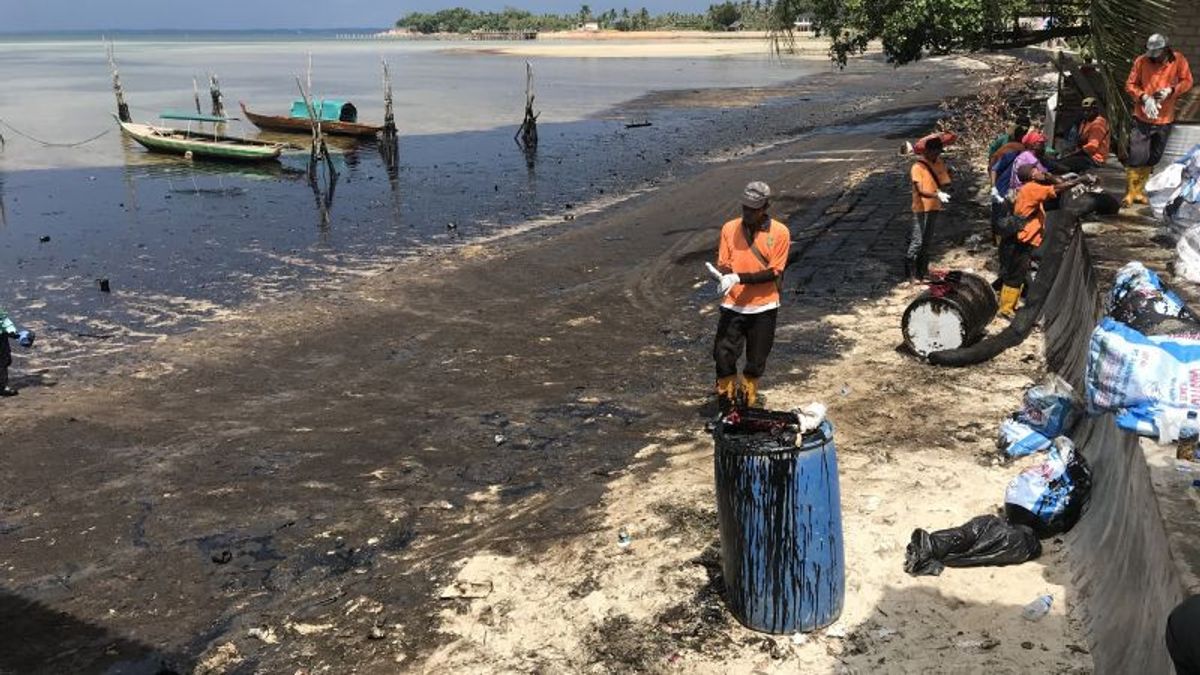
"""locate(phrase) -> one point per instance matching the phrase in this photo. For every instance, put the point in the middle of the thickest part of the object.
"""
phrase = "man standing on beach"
(751, 256)
(1158, 78)
(929, 175)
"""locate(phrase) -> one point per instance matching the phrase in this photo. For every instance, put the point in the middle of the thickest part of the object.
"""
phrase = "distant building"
(803, 25)
(591, 27)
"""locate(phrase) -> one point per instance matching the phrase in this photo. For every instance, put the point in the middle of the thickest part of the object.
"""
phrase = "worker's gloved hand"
(727, 282)
(25, 338)
(1150, 106)
(996, 196)
(1163, 93)
(724, 281)
(943, 197)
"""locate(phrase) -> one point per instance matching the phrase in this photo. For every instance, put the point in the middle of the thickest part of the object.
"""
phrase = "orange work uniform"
(1031, 205)
(928, 178)
(1147, 77)
(734, 254)
(1094, 139)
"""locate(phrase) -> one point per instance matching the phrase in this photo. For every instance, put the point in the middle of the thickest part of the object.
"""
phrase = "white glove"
(724, 281)
(996, 196)
(1150, 106)
(943, 197)
(727, 282)
(1163, 93)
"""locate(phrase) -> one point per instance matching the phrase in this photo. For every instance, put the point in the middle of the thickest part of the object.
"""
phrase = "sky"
(61, 15)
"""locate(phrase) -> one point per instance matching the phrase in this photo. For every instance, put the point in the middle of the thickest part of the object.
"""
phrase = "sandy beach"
(295, 487)
(651, 44)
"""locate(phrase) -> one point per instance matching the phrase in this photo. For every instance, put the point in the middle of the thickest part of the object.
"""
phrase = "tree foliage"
(909, 28)
(754, 15)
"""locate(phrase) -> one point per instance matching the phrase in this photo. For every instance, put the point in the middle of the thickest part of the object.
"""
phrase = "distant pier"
(503, 35)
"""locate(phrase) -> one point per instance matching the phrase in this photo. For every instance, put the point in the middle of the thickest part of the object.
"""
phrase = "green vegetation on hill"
(744, 15)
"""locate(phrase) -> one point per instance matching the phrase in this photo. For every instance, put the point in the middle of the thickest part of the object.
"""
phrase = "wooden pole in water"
(315, 125)
(196, 95)
(388, 143)
(527, 136)
(118, 91)
(389, 116)
(214, 92)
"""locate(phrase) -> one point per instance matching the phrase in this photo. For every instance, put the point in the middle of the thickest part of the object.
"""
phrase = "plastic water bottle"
(1040, 607)
(623, 538)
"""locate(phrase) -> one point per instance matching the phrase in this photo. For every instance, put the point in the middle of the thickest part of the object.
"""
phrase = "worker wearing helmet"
(1158, 78)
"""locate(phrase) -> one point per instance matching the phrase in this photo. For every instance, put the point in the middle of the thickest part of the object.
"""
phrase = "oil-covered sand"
(293, 485)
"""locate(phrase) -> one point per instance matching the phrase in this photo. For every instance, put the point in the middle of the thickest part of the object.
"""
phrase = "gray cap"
(1157, 42)
(756, 194)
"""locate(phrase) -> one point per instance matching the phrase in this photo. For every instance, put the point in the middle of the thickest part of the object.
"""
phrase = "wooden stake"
(118, 91)
(214, 92)
(196, 95)
(527, 136)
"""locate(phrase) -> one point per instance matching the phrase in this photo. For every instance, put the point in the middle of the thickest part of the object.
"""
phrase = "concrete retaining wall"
(1120, 557)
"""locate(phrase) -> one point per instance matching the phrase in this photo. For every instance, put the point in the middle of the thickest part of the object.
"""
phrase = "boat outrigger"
(201, 145)
(337, 117)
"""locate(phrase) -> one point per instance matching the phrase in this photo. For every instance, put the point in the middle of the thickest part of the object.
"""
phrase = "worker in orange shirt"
(1158, 78)
(929, 175)
(1026, 230)
(1094, 137)
(751, 256)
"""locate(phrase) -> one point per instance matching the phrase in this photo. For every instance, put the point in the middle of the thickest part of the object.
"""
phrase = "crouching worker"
(751, 257)
(1023, 231)
(9, 330)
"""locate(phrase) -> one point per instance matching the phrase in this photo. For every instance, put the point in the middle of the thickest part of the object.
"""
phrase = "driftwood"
(527, 135)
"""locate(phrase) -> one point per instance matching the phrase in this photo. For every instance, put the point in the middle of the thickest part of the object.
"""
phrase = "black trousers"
(1147, 143)
(1015, 258)
(753, 332)
(1077, 163)
(5, 360)
(1183, 636)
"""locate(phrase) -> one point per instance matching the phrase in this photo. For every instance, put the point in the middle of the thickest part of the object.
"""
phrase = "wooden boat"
(202, 145)
(338, 118)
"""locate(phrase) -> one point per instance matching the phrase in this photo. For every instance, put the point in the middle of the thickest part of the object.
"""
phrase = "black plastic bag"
(981, 541)
(1061, 487)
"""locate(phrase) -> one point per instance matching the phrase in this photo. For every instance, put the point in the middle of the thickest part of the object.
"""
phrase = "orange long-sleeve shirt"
(734, 255)
(1148, 77)
(1094, 139)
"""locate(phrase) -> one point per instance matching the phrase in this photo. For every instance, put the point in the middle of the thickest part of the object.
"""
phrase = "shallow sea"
(186, 242)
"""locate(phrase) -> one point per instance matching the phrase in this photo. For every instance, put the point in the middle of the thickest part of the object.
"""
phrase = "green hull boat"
(201, 145)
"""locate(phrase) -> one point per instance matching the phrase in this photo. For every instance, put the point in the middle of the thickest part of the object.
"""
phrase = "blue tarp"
(329, 110)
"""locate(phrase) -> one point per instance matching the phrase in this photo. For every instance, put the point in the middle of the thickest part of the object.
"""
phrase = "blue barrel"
(780, 514)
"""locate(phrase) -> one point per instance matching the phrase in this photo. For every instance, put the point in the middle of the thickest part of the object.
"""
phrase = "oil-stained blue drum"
(781, 528)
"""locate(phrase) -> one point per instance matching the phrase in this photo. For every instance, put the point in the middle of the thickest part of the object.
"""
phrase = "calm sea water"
(57, 88)
(183, 243)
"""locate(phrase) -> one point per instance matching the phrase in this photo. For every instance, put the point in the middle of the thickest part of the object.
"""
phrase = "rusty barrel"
(953, 312)
(780, 514)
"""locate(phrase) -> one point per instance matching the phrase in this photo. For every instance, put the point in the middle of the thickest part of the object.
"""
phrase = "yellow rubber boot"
(1131, 177)
(1139, 195)
(1009, 297)
(727, 392)
(750, 390)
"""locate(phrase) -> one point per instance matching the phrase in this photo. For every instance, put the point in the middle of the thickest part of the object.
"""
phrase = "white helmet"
(1156, 43)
